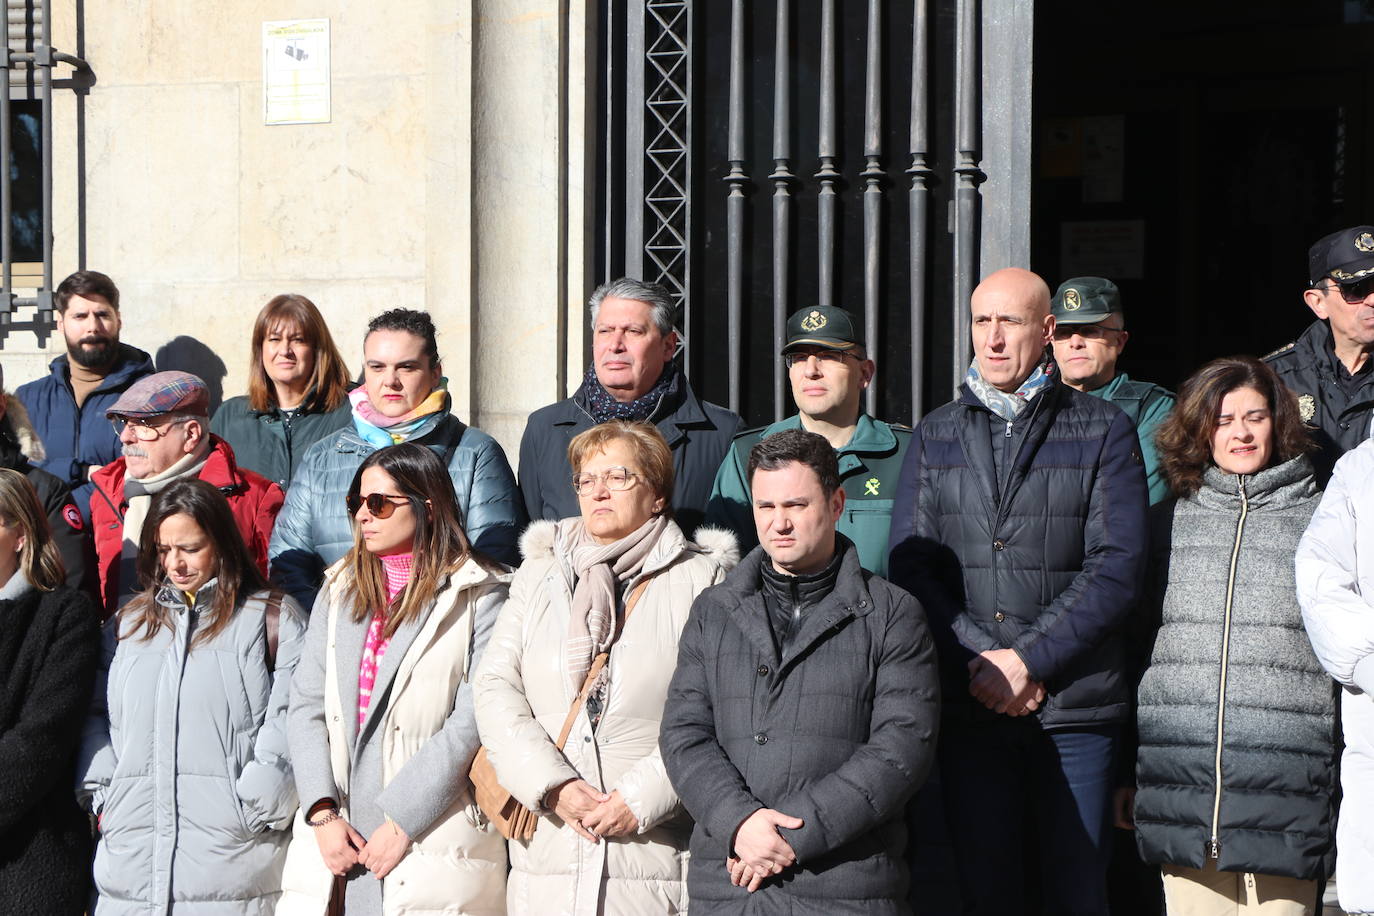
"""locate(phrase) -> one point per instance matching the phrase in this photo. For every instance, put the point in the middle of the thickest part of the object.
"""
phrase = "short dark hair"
(87, 283)
(797, 445)
(412, 322)
(1184, 440)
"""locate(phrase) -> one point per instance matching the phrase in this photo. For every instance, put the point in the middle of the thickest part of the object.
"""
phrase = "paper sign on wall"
(295, 71)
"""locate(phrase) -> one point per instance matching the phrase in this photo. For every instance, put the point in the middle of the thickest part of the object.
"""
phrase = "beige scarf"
(599, 568)
(138, 495)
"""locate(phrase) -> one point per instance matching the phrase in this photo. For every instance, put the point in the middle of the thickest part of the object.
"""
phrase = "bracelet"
(329, 818)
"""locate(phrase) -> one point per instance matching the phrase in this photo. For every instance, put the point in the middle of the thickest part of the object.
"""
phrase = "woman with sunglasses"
(1236, 718)
(48, 649)
(185, 761)
(382, 729)
(620, 579)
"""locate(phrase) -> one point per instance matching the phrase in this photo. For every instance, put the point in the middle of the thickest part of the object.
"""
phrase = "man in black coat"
(1020, 524)
(804, 709)
(632, 377)
(1328, 367)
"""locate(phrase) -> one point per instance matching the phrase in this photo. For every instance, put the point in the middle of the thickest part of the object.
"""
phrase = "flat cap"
(163, 393)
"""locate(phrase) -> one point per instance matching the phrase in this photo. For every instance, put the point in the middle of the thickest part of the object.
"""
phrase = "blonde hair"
(650, 450)
(39, 559)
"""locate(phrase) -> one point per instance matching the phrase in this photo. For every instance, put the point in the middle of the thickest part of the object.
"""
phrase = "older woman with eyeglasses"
(619, 580)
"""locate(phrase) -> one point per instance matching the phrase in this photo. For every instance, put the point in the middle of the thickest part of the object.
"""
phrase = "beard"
(94, 352)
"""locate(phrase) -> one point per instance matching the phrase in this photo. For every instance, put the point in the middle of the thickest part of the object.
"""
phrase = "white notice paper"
(295, 71)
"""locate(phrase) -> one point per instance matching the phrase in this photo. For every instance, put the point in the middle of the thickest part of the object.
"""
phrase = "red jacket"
(254, 500)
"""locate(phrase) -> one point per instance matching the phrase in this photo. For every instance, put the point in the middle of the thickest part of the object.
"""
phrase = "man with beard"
(68, 406)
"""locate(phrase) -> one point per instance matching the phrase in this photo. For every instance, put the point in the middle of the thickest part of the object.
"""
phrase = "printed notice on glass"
(295, 71)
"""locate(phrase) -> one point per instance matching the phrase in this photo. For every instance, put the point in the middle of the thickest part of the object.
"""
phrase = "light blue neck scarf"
(1009, 405)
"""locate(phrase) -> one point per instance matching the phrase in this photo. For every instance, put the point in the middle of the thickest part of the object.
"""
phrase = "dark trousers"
(1028, 813)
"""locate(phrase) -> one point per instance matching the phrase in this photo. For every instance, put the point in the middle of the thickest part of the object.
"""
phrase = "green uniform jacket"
(1147, 405)
(869, 465)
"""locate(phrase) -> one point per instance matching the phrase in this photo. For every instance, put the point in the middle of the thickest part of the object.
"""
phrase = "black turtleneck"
(788, 598)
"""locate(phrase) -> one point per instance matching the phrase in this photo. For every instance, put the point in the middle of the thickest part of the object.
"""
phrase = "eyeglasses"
(1085, 331)
(822, 356)
(615, 479)
(1353, 293)
(143, 430)
(379, 505)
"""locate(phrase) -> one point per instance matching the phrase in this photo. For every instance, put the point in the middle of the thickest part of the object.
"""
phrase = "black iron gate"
(759, 157)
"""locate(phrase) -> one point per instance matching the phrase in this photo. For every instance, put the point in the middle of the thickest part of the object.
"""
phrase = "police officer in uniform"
(1089, 335)
(1328, 366)
(829, 371)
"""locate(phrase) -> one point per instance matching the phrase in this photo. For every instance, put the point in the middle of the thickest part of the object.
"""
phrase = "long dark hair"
(236, 573)
(1185, 438)
(440, 544)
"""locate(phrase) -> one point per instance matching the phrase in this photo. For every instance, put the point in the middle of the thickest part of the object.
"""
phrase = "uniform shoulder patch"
(1280, 351)
(72, 516)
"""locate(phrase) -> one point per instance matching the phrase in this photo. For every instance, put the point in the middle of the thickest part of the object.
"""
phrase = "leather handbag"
(512, 819)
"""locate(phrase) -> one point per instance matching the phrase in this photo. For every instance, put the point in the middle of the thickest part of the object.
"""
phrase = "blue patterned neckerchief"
(602, 406)
(1009, 405)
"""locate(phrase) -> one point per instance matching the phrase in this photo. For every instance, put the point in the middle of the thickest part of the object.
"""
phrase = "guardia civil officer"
(1328, 366)
(829, 371)
(1089, 335)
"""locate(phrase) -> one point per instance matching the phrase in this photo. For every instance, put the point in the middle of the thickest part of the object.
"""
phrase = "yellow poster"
(295, 71)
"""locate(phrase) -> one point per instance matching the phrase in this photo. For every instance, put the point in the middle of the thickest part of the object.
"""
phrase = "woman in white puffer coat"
(1335, 569)
(381, 724)
(612, 835)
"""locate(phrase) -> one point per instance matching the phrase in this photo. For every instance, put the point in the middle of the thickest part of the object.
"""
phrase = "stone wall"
(441, 183)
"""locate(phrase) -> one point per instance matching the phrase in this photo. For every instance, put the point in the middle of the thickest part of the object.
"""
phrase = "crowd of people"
(319, 650)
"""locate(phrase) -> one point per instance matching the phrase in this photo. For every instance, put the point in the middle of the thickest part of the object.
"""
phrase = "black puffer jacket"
(839, 731)
(1051, 569)
(49, 647)
(1232, 664)
(1339, 417)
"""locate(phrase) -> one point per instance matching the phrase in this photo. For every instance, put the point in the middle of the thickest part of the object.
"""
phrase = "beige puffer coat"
(522, 697)
(419, 745)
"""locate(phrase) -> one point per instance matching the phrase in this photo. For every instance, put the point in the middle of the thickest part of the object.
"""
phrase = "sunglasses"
(379, 505)
(1085, 331)
(1354, 293)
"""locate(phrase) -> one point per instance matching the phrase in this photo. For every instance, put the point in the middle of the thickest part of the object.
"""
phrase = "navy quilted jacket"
(1052, 569)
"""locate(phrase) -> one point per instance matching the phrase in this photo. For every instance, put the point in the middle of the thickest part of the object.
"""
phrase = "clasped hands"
(999, 680)
(592, 813)
(760, 851)
(343, 847)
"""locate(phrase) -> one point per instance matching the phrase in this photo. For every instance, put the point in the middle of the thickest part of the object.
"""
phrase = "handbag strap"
(598, 664)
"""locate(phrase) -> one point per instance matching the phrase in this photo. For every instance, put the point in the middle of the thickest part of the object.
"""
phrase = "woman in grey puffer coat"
(185, 759)
(1236, 716)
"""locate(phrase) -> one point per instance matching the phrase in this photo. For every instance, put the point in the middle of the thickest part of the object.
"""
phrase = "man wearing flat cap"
(164, 427)
(1089, 335)
(1328, 366)
(828, 371)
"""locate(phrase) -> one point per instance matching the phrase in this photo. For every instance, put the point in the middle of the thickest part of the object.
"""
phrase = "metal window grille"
(27, 80)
